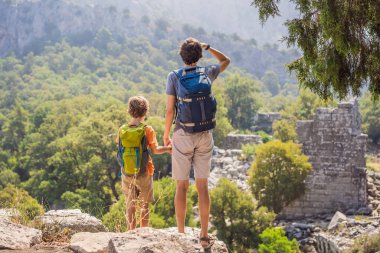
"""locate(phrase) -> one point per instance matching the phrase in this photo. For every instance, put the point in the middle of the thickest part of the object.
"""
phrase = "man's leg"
(204, 204)
(180, 204)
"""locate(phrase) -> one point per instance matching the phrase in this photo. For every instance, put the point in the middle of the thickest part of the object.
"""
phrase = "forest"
(63, 100)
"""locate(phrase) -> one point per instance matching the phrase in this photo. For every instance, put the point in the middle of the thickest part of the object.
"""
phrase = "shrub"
(284, 130)
(278, 173)
(236, 218)
(249, 150)
(19, 199)
(264, 136)
(274, 241)
(366, 244)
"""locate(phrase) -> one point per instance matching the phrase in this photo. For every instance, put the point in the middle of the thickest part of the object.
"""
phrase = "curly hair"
(190, 51)
(138, 106)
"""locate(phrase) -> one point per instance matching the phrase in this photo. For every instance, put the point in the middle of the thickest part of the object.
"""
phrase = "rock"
(73, 219)
(15, 236)
(337, 219)
(160, 241)
(8, 213)
(85, 242)
(364, 211)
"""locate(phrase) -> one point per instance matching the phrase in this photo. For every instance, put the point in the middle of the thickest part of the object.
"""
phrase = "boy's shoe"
(206, 242)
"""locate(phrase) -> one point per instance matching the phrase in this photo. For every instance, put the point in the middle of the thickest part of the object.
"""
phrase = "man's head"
(190, 51)
(138, 106)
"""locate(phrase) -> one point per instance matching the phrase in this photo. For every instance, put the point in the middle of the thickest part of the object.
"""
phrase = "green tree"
(305, 105)
(242, 101)
(274, 241)
(12, 197)
(278, 173)
(223, 125)
(339, 41)
(284, 130)
(370, 111)
(236, 218)
(271, 82)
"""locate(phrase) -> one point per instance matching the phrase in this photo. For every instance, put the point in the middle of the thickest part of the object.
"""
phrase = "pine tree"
(340, 41)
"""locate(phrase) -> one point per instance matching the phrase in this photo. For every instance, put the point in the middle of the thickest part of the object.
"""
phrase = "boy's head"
(190, 51)
(138, 106)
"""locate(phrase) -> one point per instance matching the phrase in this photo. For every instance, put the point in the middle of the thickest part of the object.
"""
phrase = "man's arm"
(170, 109)
(224, 61)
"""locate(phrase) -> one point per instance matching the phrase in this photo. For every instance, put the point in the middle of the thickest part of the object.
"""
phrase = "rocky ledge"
(94, 239)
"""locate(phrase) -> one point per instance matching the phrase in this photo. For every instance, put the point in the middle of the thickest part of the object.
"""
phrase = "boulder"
(72, 219)
(8, 213)
(160, 241)
(337, 219)
(86, 242)
(14, 236)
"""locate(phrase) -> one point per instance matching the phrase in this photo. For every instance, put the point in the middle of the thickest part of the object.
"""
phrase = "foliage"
(370, 111)
(274, 241)
(305, 105)
(236, 218)
(339, 41)
(278, 173)
(19, 199)
(366, 244)
(115, 219)
(271, 82)
(249, 150)
(223, 125)
(284, 130)
(264, 136)
(242, 100)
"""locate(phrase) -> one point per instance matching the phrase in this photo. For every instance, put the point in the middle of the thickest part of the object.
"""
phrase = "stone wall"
(236, 141)
(264, 121)
(336, 149)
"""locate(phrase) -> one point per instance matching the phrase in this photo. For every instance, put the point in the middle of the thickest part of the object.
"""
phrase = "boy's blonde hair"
(138, 106)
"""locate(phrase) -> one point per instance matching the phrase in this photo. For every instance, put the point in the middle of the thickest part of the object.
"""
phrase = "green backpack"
(132, 153)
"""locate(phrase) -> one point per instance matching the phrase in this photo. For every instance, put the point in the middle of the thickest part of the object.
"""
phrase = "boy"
(139, 185)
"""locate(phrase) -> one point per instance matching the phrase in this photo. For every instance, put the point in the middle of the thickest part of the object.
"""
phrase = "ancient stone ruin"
(236, 141)
(336, 149)
(264, 121)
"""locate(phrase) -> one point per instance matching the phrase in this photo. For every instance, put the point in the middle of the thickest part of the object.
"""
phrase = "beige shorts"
(191, 149)
(137, 188)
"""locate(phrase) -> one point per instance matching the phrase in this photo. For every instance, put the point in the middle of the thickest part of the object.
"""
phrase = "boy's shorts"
(138, 187)
(191, 149)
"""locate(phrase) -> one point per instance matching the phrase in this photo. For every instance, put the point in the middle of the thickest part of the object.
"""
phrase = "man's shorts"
(191, 149)
(137, 188)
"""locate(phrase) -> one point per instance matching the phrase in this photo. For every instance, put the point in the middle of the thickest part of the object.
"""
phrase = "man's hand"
(204, 45)
(167, 141)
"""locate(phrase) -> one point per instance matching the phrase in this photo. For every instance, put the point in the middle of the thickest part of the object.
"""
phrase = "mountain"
(27, 22)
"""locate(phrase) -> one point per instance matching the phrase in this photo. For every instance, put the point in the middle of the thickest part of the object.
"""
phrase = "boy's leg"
(131, 214)
(145, 185)
(144, 214)
(129, 190)
(180, 204)
(203, 203)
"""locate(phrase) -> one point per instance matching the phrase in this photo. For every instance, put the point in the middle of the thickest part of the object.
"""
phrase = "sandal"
(206, 242)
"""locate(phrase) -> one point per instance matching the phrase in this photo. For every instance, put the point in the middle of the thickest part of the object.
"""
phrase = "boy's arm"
(224, 61)
(170, 107)
(158, 150)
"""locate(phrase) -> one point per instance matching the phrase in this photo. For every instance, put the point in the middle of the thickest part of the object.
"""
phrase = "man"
(191, 148)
